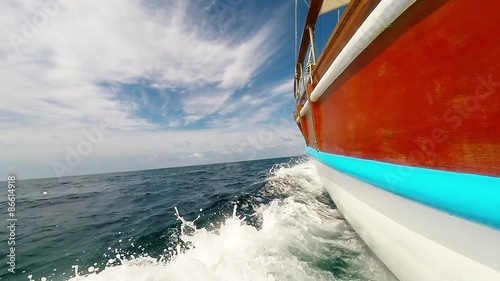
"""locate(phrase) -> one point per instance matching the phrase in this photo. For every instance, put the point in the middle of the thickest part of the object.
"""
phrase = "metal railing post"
(311, 36)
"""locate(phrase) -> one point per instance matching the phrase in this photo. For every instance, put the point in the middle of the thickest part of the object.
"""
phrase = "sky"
(118, 85)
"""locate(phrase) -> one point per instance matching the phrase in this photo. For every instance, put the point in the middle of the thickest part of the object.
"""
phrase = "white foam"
(295, 230)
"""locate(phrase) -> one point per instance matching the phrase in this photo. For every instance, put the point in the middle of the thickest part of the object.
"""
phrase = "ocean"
(255, 220)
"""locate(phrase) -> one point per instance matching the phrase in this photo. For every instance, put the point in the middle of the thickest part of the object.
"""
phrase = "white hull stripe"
(414, 241)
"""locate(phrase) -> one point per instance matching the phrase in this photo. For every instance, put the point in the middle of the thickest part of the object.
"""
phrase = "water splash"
(301, 236)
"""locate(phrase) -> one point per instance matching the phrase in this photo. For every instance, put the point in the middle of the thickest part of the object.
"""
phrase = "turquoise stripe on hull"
(474, 197)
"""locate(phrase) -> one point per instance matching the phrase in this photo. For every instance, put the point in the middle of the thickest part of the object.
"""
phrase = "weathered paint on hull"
(425, 93)
(407, 138)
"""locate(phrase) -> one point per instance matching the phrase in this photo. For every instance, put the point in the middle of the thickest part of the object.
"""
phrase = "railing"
(370, 27)
(304, 69)
(307, 37)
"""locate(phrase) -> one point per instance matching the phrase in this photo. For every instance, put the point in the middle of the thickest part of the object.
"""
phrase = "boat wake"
(295, 233)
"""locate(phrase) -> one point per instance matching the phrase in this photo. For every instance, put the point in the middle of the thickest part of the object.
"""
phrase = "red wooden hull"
(425, 93)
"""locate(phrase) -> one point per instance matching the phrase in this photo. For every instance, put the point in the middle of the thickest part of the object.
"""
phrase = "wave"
(294, 232)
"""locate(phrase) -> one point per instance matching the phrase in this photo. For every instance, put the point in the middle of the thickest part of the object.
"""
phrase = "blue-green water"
(256, 220)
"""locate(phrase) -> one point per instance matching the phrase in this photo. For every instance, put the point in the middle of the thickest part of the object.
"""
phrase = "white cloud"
(285, 88)
(56, 74)
(196, 156)
(121, 42)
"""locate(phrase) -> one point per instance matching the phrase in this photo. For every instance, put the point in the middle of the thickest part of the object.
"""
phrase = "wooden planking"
(406, 98)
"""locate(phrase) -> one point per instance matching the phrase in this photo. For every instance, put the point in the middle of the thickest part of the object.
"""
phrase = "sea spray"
(293, 233)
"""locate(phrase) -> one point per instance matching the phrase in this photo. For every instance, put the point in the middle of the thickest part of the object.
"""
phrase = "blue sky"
(104, 86)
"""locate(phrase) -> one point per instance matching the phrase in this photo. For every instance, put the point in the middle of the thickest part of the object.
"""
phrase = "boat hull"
(402, 118)
(416, 242)
(425, 92)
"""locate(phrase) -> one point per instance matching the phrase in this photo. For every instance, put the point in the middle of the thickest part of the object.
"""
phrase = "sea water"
(255, 220)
